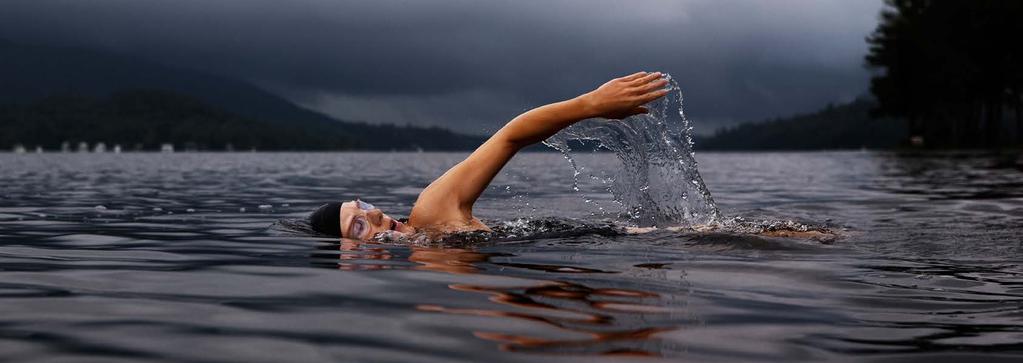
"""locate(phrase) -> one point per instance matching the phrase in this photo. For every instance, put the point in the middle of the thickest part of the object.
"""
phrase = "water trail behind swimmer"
(658, 183)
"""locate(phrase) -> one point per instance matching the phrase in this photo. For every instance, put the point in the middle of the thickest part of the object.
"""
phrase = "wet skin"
(445, 206)
(359, 223)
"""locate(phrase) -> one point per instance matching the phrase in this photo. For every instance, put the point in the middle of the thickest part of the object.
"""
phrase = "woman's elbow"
(510, 140)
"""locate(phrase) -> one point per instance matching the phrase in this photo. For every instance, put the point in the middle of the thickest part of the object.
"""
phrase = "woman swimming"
(445, 206)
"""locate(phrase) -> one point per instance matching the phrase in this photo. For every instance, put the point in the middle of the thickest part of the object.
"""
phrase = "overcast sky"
(471, 65)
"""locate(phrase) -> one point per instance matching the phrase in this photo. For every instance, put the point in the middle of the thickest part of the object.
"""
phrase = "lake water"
(196, 258)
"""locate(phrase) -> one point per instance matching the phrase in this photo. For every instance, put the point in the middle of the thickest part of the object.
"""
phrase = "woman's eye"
(358, 227)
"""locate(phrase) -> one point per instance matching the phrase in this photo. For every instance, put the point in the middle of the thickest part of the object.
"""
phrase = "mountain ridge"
(30, 74)
(846, 126)
(39, 71)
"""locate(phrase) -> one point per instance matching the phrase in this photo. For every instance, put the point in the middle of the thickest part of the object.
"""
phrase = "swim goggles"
(363, 205)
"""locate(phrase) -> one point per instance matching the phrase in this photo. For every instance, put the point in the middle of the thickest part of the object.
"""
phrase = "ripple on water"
(927, 267)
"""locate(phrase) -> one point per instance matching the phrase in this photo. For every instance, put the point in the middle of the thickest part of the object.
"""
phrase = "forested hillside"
(848, 126)
(145, 119)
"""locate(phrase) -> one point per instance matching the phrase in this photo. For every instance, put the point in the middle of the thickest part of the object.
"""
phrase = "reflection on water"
(606, 321)
(192, 258)
(953, 175)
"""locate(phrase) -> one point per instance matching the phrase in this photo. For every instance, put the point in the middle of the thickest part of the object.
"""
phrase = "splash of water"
(658, 183)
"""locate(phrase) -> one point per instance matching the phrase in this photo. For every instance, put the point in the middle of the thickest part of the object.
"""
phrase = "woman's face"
(363, 221)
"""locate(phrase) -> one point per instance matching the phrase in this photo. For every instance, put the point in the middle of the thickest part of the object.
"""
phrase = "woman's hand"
(448, 200)
(625, 96)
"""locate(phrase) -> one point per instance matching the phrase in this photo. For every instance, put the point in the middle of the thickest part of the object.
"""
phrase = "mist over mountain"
(33, 72)
(36, 77)
(52, 95)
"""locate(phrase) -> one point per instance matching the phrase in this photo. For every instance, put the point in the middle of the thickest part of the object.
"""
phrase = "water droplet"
(660, 169)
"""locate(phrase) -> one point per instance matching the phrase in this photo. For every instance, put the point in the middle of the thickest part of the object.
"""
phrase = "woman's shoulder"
(443, 216)
(447, 227)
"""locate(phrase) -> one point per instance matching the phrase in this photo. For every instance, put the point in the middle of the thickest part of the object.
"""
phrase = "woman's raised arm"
(449, 199)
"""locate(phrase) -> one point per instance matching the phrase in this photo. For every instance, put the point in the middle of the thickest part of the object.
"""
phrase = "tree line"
(146, 119)
(836, 127)
(952, 70)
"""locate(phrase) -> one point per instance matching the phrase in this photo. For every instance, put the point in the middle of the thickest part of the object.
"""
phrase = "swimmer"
(445, 206)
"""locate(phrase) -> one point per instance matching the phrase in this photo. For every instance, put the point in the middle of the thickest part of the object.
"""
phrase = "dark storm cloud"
(473, 64)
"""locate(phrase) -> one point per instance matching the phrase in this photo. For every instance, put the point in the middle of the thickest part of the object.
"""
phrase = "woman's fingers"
(633, 76)
(652, 96)
(651, 86)
(646, 79)
(625, 96)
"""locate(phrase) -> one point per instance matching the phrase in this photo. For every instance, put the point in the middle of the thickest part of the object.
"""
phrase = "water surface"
(194, 258)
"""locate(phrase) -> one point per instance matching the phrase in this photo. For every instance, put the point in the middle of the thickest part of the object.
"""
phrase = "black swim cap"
(327, 219)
